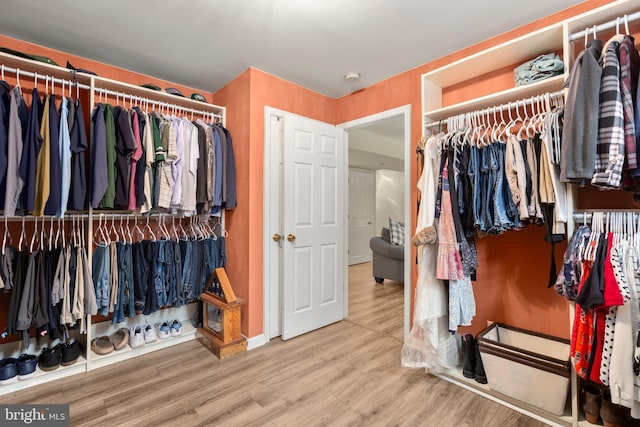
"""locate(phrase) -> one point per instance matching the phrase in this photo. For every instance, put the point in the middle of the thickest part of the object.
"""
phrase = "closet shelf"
(455, 376)
(601, 15)
(515, 51)
(548, 85)
(41, 377)
(97, 360)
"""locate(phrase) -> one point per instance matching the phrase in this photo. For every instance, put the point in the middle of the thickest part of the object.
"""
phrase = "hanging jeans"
(159, 273)
(125, 305)
(142, 254)
(170, 273)
(100, 274)
(186, 251)
(180, 299)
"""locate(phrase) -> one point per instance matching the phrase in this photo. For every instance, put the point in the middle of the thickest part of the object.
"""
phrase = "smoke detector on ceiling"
(352, 77)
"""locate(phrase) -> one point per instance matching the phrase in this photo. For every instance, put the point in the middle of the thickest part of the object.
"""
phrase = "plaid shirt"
(610, 148)
(627, 49)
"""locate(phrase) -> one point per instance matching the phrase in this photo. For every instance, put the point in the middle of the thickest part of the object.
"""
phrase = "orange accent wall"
(246, 98)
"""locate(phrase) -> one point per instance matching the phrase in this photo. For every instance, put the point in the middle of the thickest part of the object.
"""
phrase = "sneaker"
(119, 338)
(70, 353)
(163, 330)
(176, 328)
(8, 370)
(27, 364)
(50, 358)
(149, 334)
(136, 337)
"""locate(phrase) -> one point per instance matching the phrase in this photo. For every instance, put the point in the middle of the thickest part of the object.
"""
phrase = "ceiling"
(378, 145)
(206, 43)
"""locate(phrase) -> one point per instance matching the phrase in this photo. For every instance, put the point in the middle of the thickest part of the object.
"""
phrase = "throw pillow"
(386, 235)
(396, 230)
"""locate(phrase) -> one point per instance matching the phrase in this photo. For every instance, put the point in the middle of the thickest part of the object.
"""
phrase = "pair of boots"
(597, 404)
(472, 366)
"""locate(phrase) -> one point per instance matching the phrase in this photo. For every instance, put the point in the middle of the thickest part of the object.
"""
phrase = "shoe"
(176, 328)
(612, 415)
(149, 334)
(119, 338)
(163, 330)
(27, 364)
(8, 370)
(478, 373)
(101, 345)
(50, 358)
(468, 355)
(136, 337)
(591, 405)
(70, 353)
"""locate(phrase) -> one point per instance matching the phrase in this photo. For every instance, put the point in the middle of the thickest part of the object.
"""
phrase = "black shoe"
(468, 355)
(70, 353)
(8, 369)
(478, 373)
(50, 358)
(26, 366)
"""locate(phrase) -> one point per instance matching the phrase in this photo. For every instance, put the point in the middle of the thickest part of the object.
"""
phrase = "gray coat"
(580, 131)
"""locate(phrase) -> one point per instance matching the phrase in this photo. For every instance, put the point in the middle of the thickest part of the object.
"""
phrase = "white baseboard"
(257, 341)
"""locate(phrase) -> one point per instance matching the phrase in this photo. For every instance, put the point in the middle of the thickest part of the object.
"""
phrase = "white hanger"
(626, 24)
(33, 235)
(2, 71)
(17, 77)
(4, 237)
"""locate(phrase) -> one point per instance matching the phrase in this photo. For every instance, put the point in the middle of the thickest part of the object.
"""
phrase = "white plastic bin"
(526, 365)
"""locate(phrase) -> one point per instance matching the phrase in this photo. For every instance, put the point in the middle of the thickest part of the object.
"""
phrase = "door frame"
(404, 111)
(273, 194)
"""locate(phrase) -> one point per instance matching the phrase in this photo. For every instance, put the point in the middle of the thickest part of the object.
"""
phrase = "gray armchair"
(387, 261)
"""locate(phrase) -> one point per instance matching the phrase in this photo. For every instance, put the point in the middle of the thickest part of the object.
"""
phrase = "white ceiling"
(206, 43)
(378, 145)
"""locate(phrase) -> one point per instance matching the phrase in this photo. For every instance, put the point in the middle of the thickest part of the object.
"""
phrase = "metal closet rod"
(502, 107)
(154, 102)
(19, 72)
(605, 26)
(586, 215)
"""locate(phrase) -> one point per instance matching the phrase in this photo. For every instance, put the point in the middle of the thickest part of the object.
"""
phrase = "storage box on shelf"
(87, 91)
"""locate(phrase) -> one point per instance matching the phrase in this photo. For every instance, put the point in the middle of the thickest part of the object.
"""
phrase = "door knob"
(276, 237)
(291, 237)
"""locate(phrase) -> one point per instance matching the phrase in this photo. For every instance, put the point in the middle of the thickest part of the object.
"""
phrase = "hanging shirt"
(190, 167)
(78, 138)
(580, 130)
(217, 181)
(149, 152)
(229, 192)
(65, 158)
(201, 179)
(140, 169)
(125, 146)
(43, 165)
(55, 183)
(135, 156)
(30, 150)
(17, 123)
(99, 172)
(610, 150)
(5, 106)
(110, 135)
(176, 150)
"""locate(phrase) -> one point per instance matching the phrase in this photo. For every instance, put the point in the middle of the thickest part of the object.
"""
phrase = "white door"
(313, 227)
(361, 211)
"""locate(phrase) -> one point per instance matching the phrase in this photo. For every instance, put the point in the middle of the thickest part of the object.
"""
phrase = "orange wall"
(245, 98)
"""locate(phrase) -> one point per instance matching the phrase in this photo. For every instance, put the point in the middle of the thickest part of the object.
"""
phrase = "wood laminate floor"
(346, 374)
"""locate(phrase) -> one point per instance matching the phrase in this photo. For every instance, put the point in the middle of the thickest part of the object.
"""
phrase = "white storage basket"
(526, 365)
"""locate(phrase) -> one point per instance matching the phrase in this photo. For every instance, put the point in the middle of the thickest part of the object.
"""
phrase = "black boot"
(479, 373)
(468, 355)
